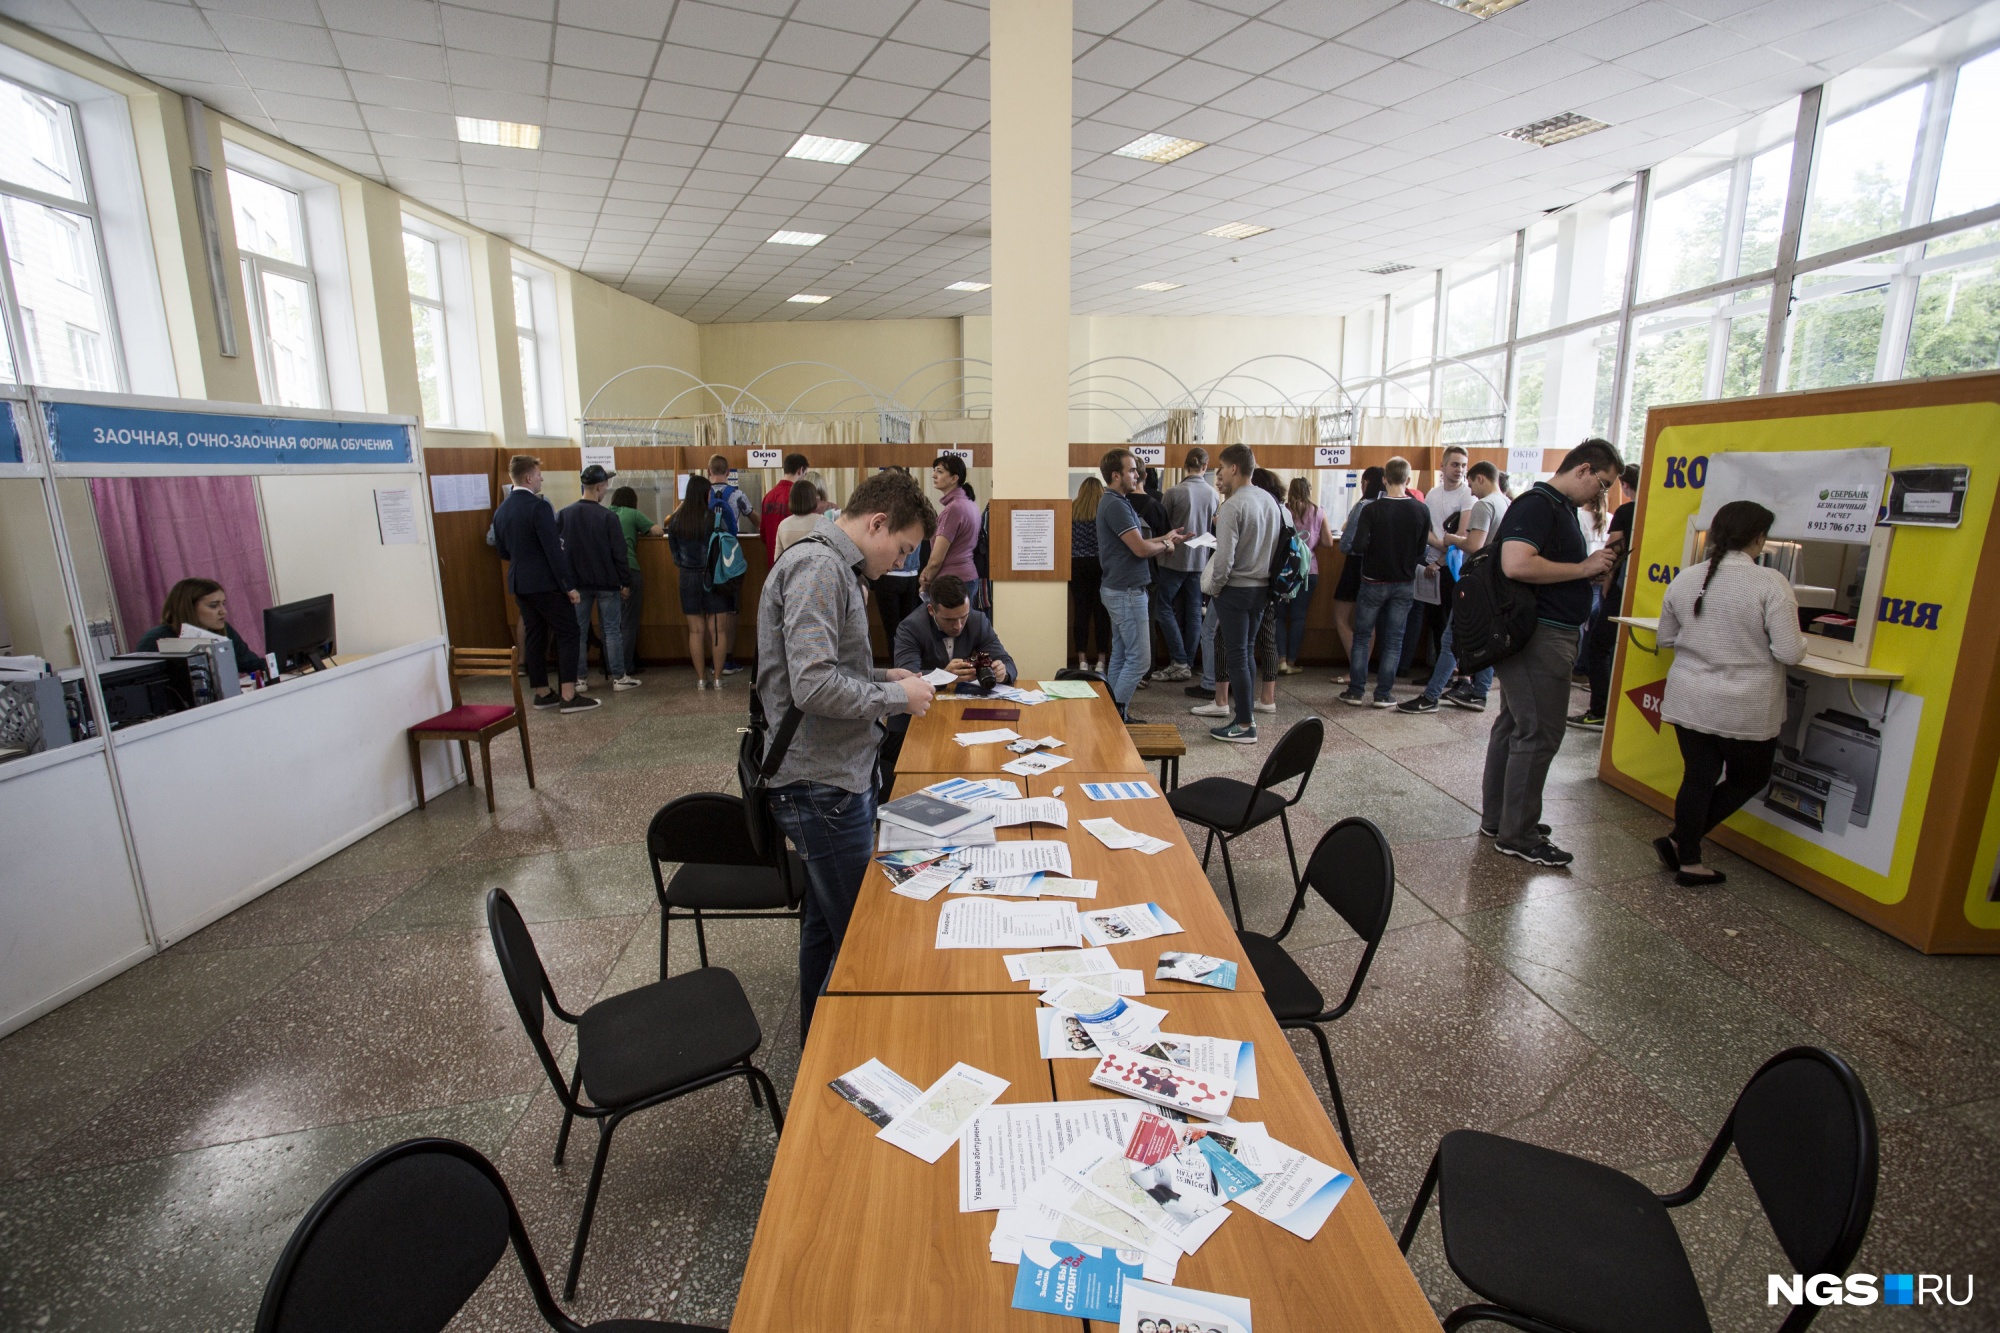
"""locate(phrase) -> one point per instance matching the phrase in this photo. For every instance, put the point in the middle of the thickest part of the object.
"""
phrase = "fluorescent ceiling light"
(1480, 9)
(968, 286)
(1555, 130)
(1384, 270)
(1158, 286)
(500, 133)
(815, 148)
(1236, 231)
(804, 299)
(796, 238)
(1159, 148)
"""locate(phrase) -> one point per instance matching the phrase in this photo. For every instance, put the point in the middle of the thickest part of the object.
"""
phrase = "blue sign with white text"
(97, 433)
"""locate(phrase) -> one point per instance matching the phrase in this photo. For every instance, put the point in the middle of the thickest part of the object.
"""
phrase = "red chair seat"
(467, 717)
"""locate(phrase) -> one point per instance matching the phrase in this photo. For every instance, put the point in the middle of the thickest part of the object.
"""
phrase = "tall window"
(65, 335)
(422, 257)
(531, 355)
(1715, 213)
(278, 284)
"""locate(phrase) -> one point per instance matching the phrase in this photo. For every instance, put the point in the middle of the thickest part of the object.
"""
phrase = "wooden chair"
(1161, 741)
(466, 722)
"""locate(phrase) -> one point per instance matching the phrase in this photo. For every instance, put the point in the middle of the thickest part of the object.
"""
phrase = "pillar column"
(1031, 181)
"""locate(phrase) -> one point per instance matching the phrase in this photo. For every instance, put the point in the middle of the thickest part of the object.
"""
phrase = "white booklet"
(895, 838)
(1001, 923)
(1298, 1192)
(876, 1091)
(1035, 810)
(1028, 765)
(932, 1123)
(993, 737)
(998, 886)
(967, 790)
(1122, 925)
(1006, 1148)
(1019, 858)
(1101, 1167)
(1119, 838)
(1149, 1306)
(1068, 963)
(1226, 1056)
(1110, 1020)
(928, 883)
(1037, 1222)
(1059, 1193)
(1062, 886)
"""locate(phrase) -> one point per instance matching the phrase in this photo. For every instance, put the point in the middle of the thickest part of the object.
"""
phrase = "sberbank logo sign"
(1867, 1289)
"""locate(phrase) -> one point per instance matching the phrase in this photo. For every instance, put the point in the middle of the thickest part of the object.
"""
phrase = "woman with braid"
(1734, 628)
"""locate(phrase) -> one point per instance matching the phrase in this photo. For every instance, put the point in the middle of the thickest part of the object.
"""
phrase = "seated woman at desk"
(203, 604)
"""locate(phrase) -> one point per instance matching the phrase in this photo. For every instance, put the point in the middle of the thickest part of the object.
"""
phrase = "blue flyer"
(1199, 968)
(1230, 1173)
(1084, 1281)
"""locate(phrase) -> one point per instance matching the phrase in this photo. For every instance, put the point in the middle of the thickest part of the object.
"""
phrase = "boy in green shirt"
(625, 506)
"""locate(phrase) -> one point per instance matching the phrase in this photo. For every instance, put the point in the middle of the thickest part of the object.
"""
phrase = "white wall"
(322, 536)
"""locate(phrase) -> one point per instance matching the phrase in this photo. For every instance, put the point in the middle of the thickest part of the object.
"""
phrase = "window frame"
(459, 363)
(546, 333)
(86, 207)
(254, 266)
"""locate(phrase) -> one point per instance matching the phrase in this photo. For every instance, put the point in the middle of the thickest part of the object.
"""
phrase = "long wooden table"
(856, 1234)
(1091, 734)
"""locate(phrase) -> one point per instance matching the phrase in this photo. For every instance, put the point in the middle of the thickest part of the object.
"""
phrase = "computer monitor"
(300, 631)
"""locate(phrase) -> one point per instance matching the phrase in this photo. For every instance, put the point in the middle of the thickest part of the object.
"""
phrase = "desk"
(856, 1234)
(1351, 1274)
(1174, 878)
(891, 943)
(1091, 733)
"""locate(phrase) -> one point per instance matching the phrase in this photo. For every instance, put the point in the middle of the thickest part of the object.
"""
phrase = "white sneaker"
(626, 683)
(1265, 708)
(1212, 710)
(702, 684)
(583, 687)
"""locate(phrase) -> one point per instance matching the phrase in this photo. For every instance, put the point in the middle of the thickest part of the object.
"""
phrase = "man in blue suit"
(538, 574)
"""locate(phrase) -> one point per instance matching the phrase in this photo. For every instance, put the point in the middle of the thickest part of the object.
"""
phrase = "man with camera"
(948, 633)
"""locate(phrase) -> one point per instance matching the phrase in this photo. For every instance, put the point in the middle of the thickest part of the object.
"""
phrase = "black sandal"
(1670, 856)
(1688, 881)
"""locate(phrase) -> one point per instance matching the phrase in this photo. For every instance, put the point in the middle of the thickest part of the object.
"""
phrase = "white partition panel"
(69, 912)
(322, 536)
(229, 800)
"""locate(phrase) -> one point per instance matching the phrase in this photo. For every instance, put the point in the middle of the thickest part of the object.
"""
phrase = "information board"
(105, 433)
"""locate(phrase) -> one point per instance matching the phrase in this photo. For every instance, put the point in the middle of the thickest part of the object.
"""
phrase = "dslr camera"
(983, 676)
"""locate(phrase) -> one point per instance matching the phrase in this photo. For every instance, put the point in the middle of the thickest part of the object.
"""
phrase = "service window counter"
(1883, 798)
(258, 735)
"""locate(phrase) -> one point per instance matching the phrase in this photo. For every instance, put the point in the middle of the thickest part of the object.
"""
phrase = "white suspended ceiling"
(1362, 132)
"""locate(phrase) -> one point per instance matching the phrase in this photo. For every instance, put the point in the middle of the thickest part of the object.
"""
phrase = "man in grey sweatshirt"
(1239, 578)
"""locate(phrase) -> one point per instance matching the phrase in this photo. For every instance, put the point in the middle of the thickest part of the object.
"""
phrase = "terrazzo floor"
(161, 1135)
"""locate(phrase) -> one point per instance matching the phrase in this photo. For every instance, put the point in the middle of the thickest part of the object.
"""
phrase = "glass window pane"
(433, 365)
(1956, 325)
(1686, 230)
(53, 255)
(1476, 292)
(1471, 402)
(291, 342)
(1861, 182)
(1361, 344)
(1835, 332)
(38, 143)
(1970, 176)
(420, 258)
(1709, 349)
(531, 382)
(1412, 325)
(524, 306)
(1764, 208)
(1575, 262)
(1562, 389)
(268, 219)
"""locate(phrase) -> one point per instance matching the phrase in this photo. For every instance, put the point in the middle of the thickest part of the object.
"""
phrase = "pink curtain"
(160, 530)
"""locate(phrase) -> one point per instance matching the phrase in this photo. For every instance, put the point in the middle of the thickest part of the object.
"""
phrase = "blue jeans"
(1242, 612)
(611, 620)
(1482, 679)
(1389, 603)
(833, 831)
(1292, 628)
(1177, 611)
(1131, 642)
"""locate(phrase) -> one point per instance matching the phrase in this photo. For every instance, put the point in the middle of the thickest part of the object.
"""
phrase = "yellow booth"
(1883, 799)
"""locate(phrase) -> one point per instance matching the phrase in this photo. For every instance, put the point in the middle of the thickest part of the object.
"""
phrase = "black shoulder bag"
(756, 761)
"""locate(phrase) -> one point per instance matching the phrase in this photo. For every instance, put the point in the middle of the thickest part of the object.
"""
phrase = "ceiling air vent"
(1384, 270)
(1555, 130)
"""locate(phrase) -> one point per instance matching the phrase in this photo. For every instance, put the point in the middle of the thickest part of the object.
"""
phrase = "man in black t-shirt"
(1542, 545)
(1600, 641)
(1391, 538)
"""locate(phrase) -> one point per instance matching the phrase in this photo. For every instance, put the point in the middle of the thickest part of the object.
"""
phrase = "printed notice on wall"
(963, 455)
(1332, 455)
(396, 517)
(1826, 495)
(603, 455)
(1524, 462)
(1151, 455)
(767, 458)
(461, 492)
(1034, 540)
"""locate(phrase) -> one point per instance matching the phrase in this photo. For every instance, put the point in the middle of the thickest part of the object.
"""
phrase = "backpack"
(1291, 562)
(726, 563)
(1491, 615)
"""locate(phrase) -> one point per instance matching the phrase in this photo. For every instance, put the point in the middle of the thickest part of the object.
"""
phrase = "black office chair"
(1354, 871)
(634, 1050)
(1556, 1243)
(400, 1243)
(1229, 808)
(721, 873)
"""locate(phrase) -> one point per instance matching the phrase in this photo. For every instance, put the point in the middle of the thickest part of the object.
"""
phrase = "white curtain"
(945, 428)
(1256, 429)
(803, 433)
(1404, 434)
